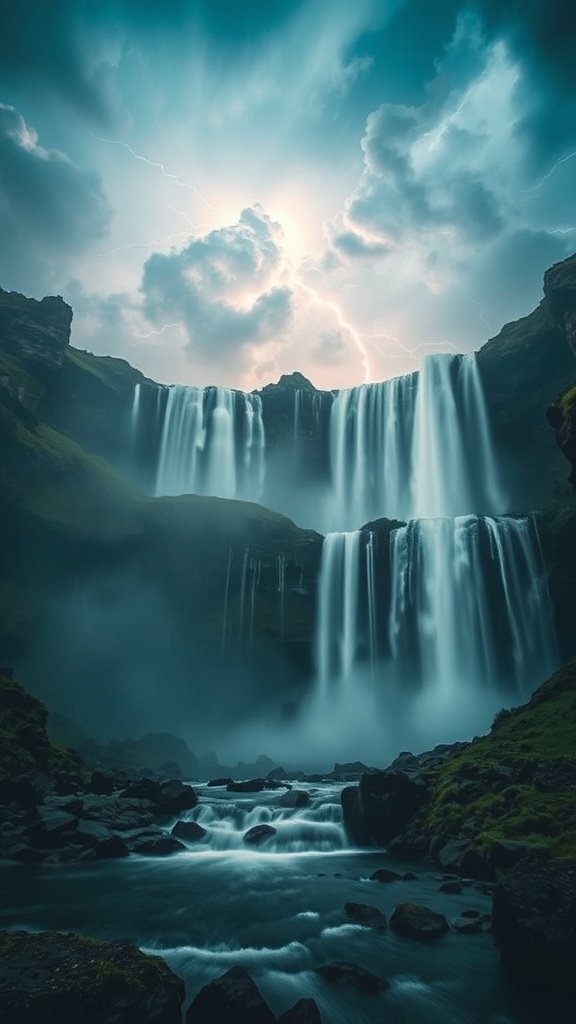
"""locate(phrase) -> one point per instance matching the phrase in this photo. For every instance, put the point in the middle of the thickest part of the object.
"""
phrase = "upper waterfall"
(211, 442)
(413, 447)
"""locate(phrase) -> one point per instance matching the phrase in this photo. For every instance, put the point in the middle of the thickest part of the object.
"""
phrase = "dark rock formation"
(189, 831)
(305, 1011)
(258, 833)
(294, 798)
(383, 803)
(385, 875)
(352, 976)
(34, 337)
(363, 913)
(249, 786)
(523, 369)
(416, 922)
(231, 999)
(50, 977)
(534, 924)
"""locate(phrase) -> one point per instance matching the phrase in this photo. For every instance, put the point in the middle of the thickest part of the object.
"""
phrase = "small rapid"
(227, 817)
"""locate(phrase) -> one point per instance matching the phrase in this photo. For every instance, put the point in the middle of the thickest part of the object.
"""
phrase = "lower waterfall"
(462, 621)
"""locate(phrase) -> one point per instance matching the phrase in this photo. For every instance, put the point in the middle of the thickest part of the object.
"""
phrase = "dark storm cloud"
(351, 244)
(219, 287)
(48, 206)
(57, 46)
(227, 21)
(398, 199)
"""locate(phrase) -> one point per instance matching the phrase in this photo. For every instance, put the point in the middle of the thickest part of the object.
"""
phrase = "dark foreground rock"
(305, 1011)
(353, 976)
(231, 999)
(416, 922)
(52, 977)
(258, 833)
(363, 913)
(189, 831)
(534, 924)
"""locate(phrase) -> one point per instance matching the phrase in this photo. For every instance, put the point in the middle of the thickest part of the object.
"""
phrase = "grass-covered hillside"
(518, 783)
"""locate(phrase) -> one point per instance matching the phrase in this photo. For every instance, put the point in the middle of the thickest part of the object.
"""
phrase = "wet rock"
(534, 923)
(176, 796)
(55, 977)
(385, 875)
(258, 833)
(352, 976)
(470, 913)
(156, 846)
(467, 925)
(190, 831)
(363, 913)
(450, 887)
(383, 802)
(462, 858)
(142, 789)
(115, 846)
(305, 1011)
(416, 922)
(101, 782)
(247, 786)
(51, 828)
(231, 999)
(294, 798)
(409, 876)
(221, 782)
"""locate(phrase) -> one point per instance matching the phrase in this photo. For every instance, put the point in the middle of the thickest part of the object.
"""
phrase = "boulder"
(352, 976)
(156, 846)
(231, 999)
(294, 798)
(415, 922)
(534, 924)
(51, 977)
(247, 786)
(464, 859)
(221, 781)
(305, 1011)
(383, 803)
(467, 925)
(385, 875)
(363, 913)
(190, 831)
(101, 782)
(450, 887)
(258, 833)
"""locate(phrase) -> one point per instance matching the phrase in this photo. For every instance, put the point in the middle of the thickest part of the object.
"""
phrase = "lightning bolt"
(412, 353)
(481, 314)
(562, 160)
(561, 231)
(334, 308)
(140, 245)
(160, 166)
(142, 338)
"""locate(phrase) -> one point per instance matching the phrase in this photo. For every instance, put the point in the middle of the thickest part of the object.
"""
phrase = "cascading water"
(464, 609)
(403, 448)
(212, 443)
(469, 606)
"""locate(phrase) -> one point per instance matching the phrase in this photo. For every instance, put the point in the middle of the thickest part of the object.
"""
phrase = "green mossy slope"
(518, 783)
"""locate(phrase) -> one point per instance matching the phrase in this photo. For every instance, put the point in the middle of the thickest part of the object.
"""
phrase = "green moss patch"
(519, 782)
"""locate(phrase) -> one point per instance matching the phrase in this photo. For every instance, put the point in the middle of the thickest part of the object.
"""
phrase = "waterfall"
(370, 443)
(337, 617)
(212, 443)
(468, 616)
(469, 604)
(413, 447)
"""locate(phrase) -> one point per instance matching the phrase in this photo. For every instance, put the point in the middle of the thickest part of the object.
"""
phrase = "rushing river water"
(279, 911)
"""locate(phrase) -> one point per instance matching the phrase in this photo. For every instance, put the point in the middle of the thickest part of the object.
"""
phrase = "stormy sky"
(227, 190)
